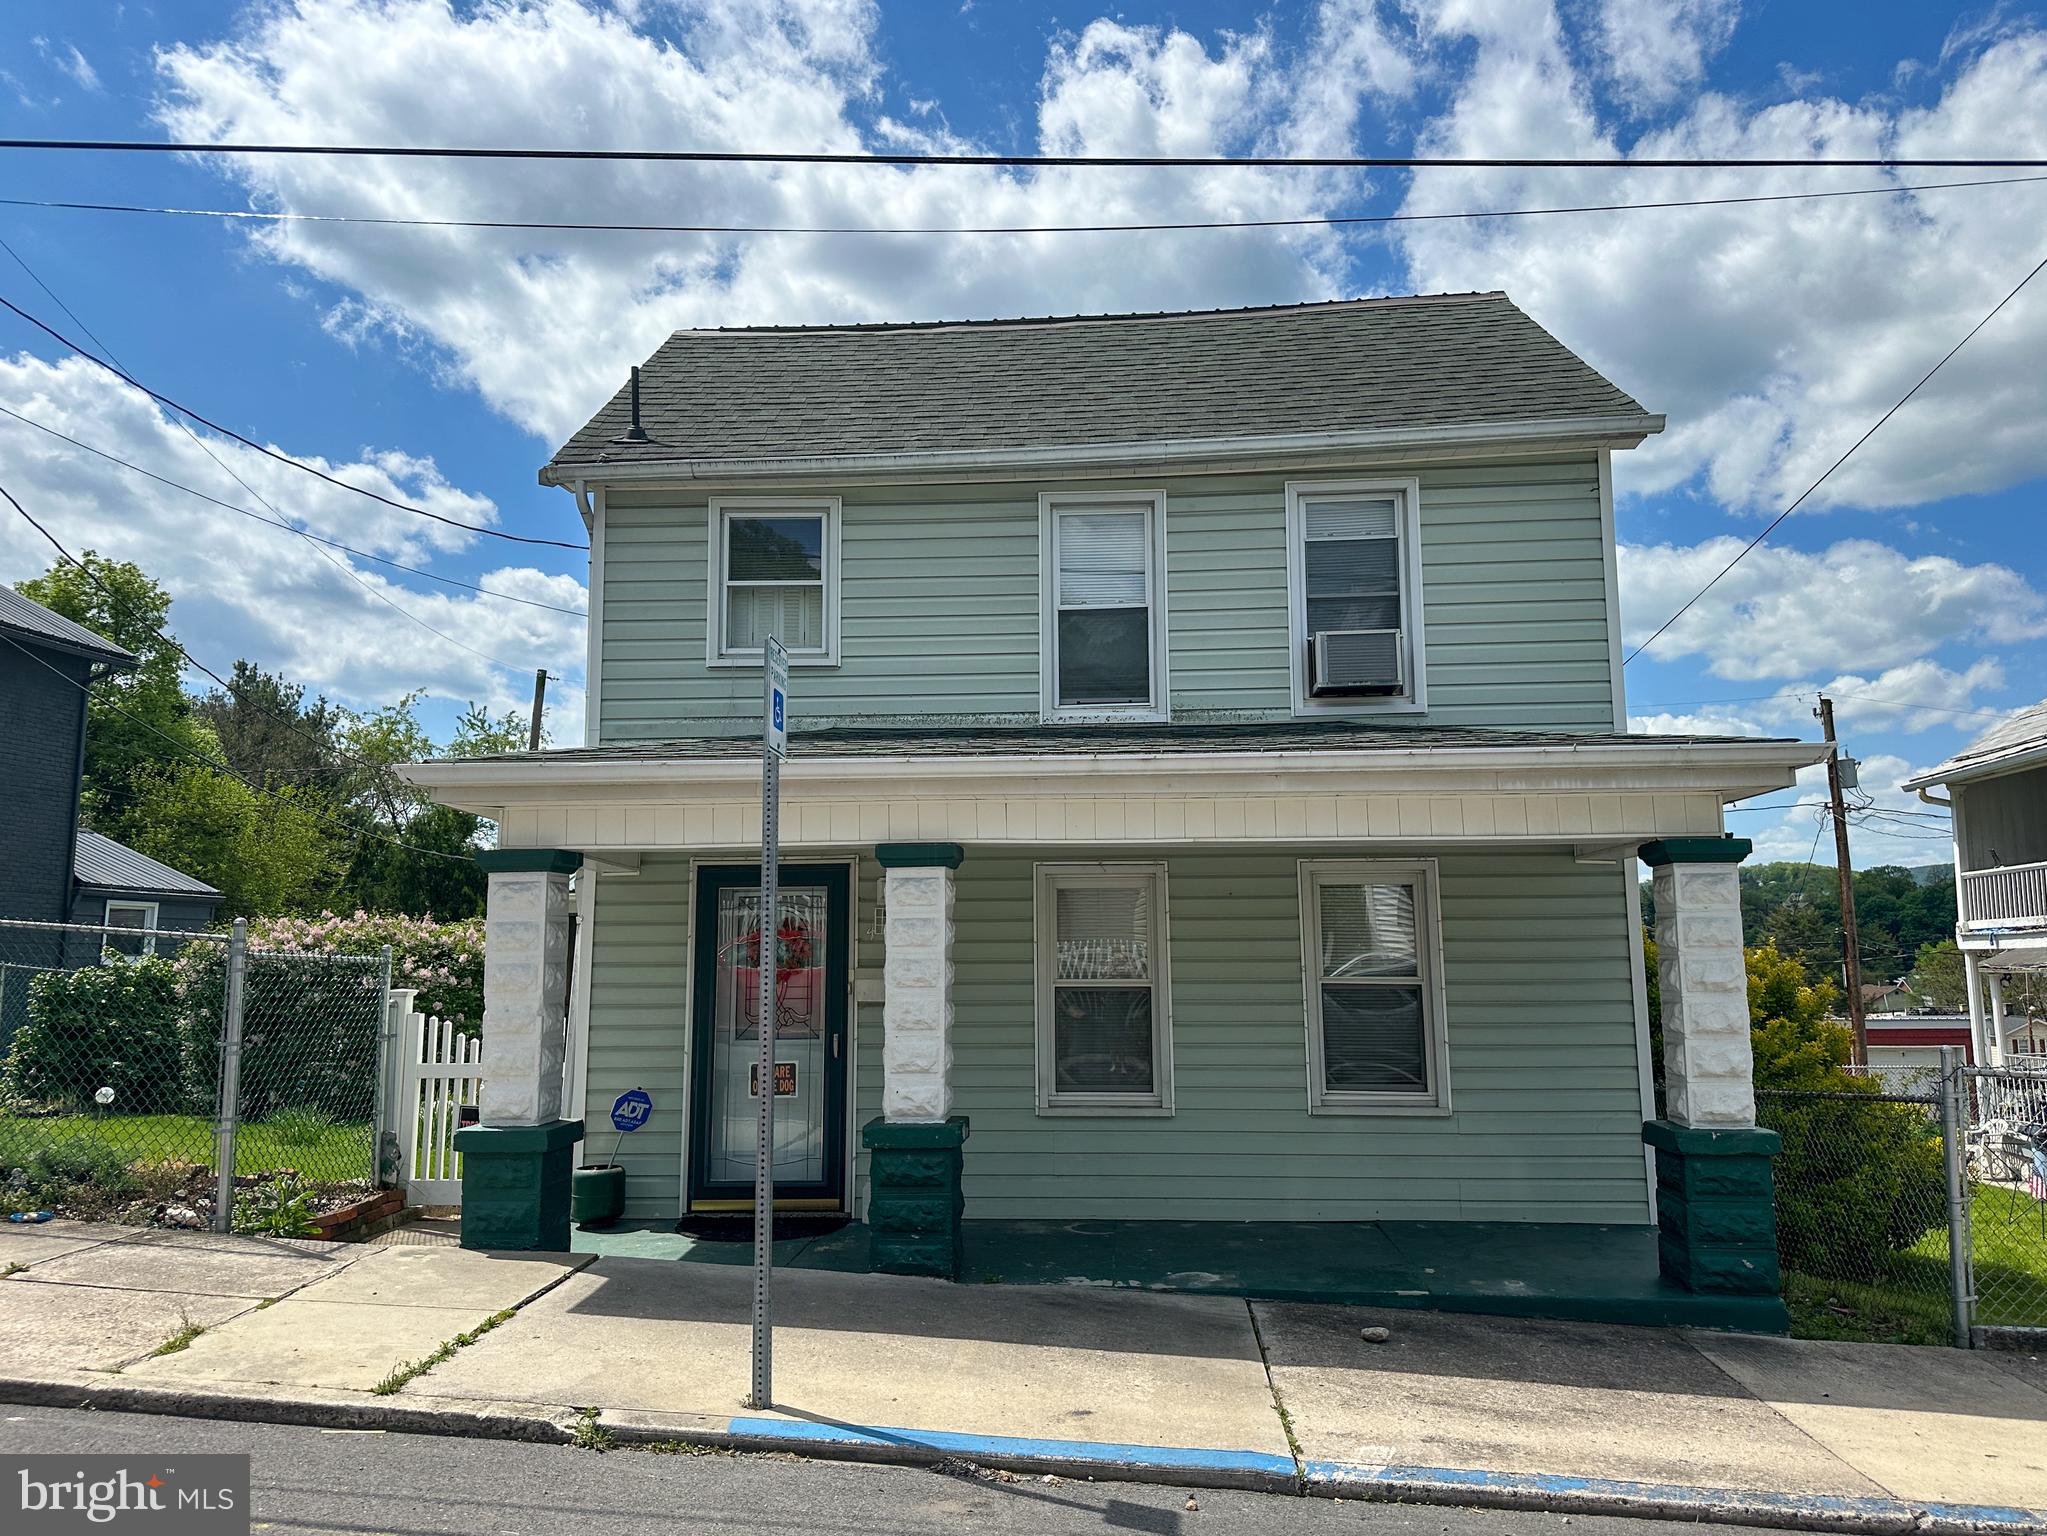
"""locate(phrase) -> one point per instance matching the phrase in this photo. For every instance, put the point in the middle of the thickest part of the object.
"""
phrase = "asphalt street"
(311, 1482)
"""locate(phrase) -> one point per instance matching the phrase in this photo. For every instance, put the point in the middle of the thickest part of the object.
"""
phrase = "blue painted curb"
(1259, 1469)
(1594, 1495)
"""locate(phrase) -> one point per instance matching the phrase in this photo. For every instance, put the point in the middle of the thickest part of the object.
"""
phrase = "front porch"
(1571, 1271)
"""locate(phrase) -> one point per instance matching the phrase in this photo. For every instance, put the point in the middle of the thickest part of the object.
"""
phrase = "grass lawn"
(1909, 1303)
(319, 1150)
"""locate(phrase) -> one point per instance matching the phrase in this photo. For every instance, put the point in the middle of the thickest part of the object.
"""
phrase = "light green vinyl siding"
(1546, 1098)
(940, 603)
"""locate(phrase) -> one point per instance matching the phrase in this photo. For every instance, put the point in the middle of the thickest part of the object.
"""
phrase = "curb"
(1256, 1471)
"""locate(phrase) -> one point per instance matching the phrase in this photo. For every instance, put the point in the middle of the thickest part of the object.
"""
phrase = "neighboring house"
(119, 888)
(1907, 1045)
(1887, 997)
(1208, 796)
(52, 871)
(1997, 786)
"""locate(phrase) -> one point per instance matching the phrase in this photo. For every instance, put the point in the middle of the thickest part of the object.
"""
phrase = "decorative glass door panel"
(807, 1014)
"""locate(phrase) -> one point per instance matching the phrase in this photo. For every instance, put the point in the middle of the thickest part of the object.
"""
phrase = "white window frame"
(723, 510)
(1414, 698)
(1048, 879)
(1051, 504)
(148, 909)
(1421, 874)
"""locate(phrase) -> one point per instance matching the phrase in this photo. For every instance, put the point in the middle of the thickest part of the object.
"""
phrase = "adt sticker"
(629, 1111)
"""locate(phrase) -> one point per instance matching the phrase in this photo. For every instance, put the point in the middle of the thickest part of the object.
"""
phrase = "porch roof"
(1240, 738)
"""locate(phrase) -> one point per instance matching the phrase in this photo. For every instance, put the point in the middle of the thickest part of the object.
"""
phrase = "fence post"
(230, 1078)
(383, 1068)
(1955, 1154)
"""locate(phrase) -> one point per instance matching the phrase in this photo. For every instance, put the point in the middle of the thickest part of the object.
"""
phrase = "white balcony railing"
(2012, 897)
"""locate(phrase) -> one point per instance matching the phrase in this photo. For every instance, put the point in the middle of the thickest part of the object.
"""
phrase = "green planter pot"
(599, 1195)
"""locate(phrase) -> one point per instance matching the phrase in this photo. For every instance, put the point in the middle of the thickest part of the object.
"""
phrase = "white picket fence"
(438, 1070)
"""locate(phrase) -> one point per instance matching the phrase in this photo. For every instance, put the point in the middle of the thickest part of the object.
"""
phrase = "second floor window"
(774, 573)
(1104, 621)
(1354, 587)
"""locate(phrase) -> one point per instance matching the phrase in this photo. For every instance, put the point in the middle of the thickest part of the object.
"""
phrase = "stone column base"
(516, 1184)
(914, 1202)
(1715, 1208)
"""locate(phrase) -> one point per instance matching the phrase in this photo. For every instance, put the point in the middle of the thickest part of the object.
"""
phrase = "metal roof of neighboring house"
(2012, 743)
(30, 620)
(1251, 737)
(105, 865)
(982, 386)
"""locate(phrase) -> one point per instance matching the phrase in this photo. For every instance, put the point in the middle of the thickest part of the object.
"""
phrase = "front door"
(808, 1014)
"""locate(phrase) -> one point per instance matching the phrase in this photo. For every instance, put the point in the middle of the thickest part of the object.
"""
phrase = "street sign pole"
(774, 746)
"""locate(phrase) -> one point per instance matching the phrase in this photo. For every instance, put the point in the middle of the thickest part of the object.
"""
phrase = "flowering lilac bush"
(443, 962)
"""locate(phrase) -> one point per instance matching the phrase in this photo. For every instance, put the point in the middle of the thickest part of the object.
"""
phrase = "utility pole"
(539, 703)
(1850, 954)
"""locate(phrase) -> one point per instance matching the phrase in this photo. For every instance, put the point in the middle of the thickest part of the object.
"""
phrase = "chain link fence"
(1915, 1210)
(184, 1079)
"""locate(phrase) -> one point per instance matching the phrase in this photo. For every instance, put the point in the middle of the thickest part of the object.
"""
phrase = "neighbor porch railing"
(2013, 896)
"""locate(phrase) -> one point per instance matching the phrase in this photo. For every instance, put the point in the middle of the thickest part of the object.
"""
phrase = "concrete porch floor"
(1579, 1273)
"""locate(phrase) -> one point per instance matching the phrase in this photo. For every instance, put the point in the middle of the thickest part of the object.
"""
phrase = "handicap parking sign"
(629, 1111)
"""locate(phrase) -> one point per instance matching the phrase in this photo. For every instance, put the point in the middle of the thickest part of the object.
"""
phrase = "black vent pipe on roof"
(635, 433)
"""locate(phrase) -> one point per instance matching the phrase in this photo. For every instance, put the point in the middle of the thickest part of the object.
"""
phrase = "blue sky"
(440, 366)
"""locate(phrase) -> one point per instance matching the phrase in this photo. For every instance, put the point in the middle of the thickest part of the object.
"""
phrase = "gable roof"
(989, 386)
(2014, 743)
(101, 864)
(26, 619)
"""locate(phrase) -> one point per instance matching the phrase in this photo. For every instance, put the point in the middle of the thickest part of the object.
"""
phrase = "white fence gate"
(439, 1070)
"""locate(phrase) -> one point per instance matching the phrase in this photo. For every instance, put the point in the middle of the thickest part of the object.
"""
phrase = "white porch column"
(1708, 1065)
(1972, 978)
(525, 984)
(916, 1048)
(1996, 1030)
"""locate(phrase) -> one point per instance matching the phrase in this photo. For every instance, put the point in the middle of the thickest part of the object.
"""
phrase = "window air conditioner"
(1345, 662)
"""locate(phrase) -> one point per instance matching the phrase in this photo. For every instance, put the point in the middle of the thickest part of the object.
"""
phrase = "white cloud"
(1886, 824)
(1704, 723)
(1787, 613)
(1772, 334)
(1657, 49)
(66, 58)
(544, 324)
(1918, 696)
(240, 589)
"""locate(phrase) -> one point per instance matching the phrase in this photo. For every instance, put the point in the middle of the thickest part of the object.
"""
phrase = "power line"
(221, 767)
(272, 453)
(266, 216)
(1130, 162)
(1801, 693)
(1866, 436)
(360, 554)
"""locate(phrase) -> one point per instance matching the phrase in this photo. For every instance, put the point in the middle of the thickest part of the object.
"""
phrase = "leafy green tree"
(1939, 976)
(136, 722)
(271, 736)
(265, 853)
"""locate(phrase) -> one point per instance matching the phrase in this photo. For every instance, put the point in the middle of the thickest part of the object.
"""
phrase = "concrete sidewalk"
(1104, 1382)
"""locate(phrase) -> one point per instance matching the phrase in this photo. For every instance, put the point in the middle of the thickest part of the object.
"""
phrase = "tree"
(136, 722)
(264, 853)
(269, 734)
(1939, 976)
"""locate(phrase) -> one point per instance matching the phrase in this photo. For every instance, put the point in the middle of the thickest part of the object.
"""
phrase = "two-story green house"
(1208, 798)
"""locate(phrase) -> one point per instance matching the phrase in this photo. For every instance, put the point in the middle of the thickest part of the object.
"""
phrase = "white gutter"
(562, 769)
(1621, 430)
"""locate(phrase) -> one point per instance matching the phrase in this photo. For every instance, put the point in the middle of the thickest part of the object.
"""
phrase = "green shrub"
(300, 1126)
(311, 1026)
(51, 1173)
(114, 1025)
(281, 1206)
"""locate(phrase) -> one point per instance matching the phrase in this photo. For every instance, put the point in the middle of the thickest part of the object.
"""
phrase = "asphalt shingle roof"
(2024, 732)
(776, 392)
(1104, 740)
(105, 864)
(30, 620)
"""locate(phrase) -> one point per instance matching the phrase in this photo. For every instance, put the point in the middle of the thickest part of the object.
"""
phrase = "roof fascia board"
(109, 656)
(1279, 450)
(2011, 760)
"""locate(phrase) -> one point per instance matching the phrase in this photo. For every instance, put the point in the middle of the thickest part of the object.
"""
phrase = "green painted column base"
(1716, 1208)
(517, 1182)
(914, 1204)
